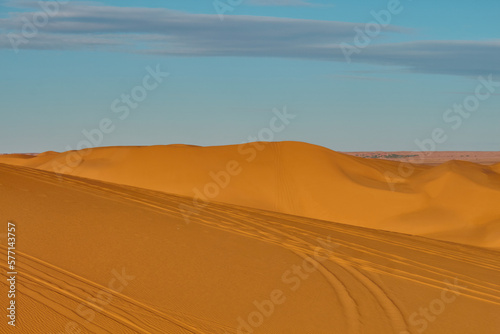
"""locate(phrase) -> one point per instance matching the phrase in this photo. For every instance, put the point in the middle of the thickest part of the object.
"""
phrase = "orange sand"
(96, 257)
(455, 201)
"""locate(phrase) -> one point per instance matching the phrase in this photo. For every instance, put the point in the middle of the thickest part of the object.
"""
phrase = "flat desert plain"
(434, 157)
(254, 238)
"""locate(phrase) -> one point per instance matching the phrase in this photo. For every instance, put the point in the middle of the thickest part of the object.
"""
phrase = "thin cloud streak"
(174, 33)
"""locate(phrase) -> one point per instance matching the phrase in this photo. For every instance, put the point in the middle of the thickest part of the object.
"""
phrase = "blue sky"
(227, 73)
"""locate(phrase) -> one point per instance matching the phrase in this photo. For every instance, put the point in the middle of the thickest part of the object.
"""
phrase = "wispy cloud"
(172, 33)
(169, 32)
(466, 58)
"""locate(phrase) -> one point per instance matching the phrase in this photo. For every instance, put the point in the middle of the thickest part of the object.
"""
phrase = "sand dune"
(97, 257)
(455, 201)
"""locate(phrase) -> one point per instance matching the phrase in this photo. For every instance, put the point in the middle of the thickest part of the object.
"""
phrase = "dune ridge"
(455, 201)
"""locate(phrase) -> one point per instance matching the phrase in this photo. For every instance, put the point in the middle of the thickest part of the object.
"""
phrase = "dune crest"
(455, 201)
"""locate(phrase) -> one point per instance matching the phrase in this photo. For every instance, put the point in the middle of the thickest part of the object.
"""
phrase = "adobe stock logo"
(122, 108)
(94, 305)
(247, 153)
(31, 26)
(371, 30)
(430, 313)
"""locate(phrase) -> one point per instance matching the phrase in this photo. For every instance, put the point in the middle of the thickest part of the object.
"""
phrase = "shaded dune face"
(496, 167)
(455, 201)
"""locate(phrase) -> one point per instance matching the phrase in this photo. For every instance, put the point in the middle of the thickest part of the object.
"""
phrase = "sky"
(354, 75)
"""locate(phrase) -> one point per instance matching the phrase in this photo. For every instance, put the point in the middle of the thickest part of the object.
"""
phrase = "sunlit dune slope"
(96, 257)
(455, 201)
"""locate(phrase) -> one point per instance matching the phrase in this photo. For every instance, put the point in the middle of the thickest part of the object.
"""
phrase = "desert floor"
(262, 238)
(434, 157)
